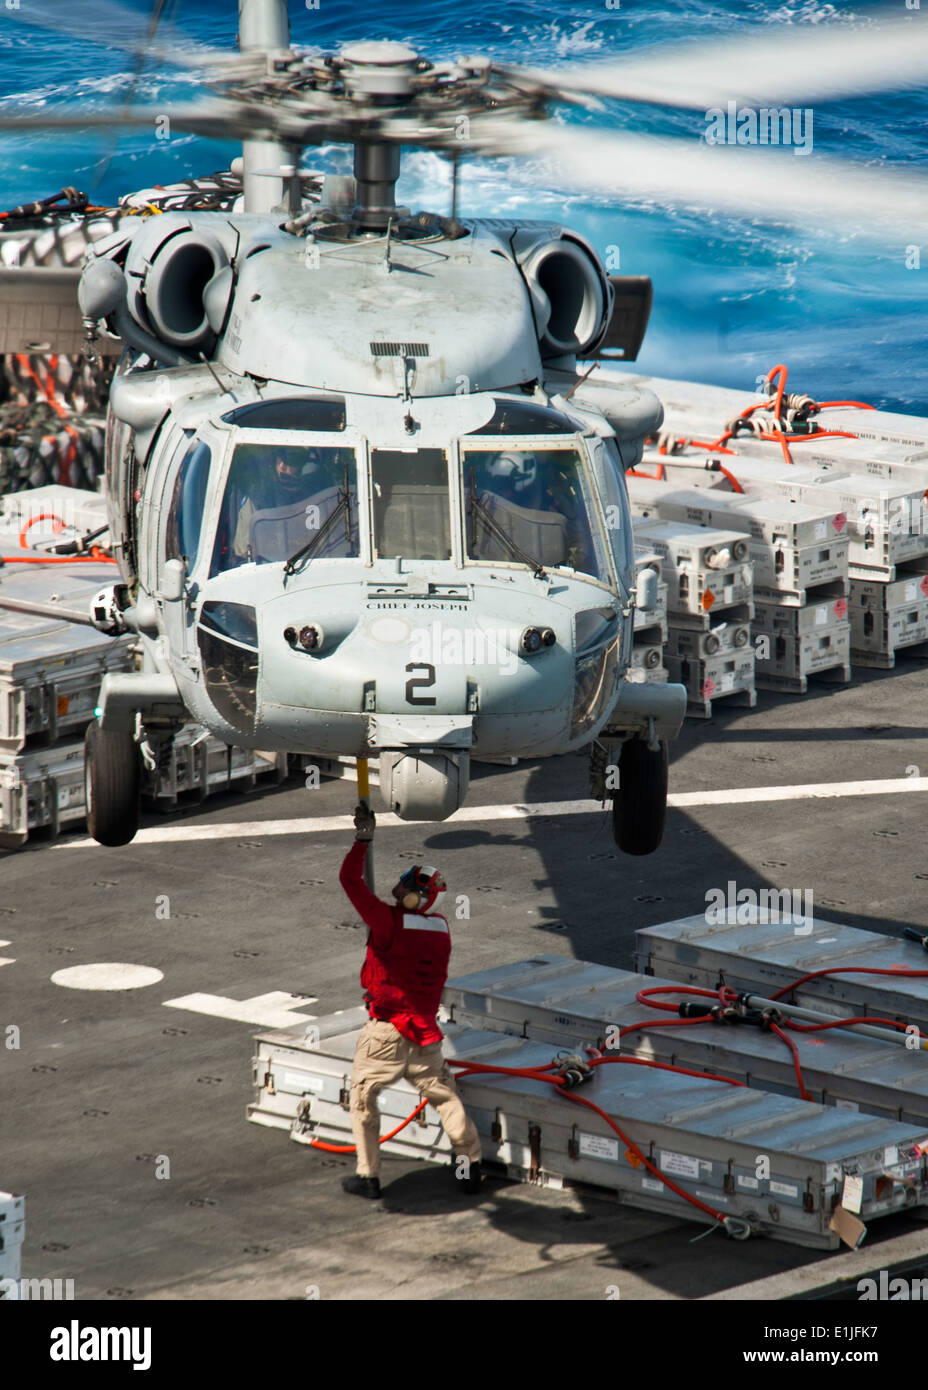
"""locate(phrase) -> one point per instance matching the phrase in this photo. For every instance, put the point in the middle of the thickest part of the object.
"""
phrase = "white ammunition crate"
(703, 645)
(50, 676)
(887, 522)
(646, 661)
(792, 546)
(887, 445)
(703, 1134)
(202, 764)
(12, 1233)
(81, 510)
(706, 570)
(41, 788)
(792, 644)
(10, 1267)
(730, 675)
(12, 1208)
(824, 652)
(573, 1004)
(757, 954)
(886, 617)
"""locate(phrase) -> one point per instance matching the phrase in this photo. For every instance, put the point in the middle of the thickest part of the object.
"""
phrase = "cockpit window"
(291, 413)
(185, 514)
(525, 417)
(411, 505)
(529, 504)
(278, 497)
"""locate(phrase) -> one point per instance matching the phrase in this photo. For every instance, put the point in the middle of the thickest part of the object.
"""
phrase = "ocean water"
(733, 295)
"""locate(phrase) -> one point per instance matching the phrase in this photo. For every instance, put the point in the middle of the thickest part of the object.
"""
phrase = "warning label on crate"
(681, 1165)
(299, 1081)
(652, 1185)
(750, 1183)
(784, 1189)
(840, 607)
(839, 522)
(598, 1146)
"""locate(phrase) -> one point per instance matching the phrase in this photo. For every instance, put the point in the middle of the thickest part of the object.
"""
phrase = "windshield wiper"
(343, 505)
(483, 511)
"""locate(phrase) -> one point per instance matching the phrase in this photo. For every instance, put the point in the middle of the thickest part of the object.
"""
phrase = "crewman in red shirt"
(403, 975)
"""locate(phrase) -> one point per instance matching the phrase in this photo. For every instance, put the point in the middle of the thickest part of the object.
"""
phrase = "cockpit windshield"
(279, 496)
(540, 500)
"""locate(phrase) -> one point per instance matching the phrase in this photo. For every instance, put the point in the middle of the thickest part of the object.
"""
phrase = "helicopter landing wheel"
(112, 785)
(639, 806)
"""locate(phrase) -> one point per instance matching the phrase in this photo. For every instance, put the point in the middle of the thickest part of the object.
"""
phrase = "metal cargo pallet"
(76, 512)
(50, 674)
(767, 956)
(572, 1004)
(40, 789)
(793, 547)
(706, 570)
(728, 676)
(887, 617)
(704, 1135)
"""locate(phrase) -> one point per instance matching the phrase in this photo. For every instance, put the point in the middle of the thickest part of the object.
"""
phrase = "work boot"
(362, 1187)
(471, 1181)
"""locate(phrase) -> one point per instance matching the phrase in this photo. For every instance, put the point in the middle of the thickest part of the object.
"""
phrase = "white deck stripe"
(314, 825)
(848, 1268)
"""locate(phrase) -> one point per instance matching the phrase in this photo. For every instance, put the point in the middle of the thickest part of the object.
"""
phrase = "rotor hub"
(379, 69)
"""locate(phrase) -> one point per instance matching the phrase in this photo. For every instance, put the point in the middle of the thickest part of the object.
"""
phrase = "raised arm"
(378, 915)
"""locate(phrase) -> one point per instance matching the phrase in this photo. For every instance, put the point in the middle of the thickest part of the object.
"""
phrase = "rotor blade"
(795, 64)
(755, 182)
(114, 26)
(217, 120)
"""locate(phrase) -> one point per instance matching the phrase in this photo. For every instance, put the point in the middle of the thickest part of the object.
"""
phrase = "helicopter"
(363, 495)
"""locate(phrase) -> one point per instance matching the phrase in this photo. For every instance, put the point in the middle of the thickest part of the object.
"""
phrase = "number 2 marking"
(420, 683)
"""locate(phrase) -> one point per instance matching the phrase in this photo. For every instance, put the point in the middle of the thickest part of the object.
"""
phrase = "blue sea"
(733, 295)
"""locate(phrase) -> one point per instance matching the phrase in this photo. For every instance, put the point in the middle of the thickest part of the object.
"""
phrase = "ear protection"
(419, 888)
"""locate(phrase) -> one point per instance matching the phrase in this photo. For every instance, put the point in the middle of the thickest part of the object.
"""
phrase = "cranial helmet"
(517, 469)
(422, 882)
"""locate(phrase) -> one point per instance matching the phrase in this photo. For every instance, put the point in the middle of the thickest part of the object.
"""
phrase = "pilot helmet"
(516, 468)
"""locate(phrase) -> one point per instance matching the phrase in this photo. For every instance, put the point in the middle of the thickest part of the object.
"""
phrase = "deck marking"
(275, 1010)
(108, 975)
(6, 960)
(314, 825)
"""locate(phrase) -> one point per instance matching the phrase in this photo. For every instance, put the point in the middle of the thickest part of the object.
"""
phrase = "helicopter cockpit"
(536, 496)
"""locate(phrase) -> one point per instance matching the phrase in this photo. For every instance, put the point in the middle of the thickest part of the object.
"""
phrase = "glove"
(364, 823)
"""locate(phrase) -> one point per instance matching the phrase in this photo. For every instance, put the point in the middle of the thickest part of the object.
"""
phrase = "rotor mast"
(263, 27)
(382, 73)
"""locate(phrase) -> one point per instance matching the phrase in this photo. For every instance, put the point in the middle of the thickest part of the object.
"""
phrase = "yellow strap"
(364, 786)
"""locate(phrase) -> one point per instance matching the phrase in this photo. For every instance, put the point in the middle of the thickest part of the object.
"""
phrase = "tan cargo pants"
(382, 1056)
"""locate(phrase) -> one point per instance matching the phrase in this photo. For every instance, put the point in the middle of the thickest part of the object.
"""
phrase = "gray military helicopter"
(363, 498)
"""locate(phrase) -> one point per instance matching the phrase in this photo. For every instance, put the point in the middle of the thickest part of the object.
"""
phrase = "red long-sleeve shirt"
(406, 964)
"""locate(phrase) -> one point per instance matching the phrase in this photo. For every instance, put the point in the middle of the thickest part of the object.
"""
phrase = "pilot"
(516, 476)
(279, 506)
(403, 975)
